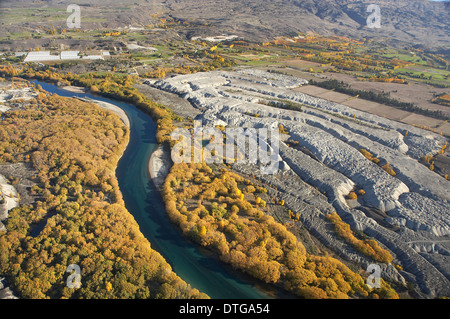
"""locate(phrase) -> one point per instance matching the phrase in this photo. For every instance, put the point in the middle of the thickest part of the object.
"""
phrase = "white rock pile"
(330, 137)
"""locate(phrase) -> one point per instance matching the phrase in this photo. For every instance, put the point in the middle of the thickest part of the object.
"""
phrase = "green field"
(19, 16)
(405, 57)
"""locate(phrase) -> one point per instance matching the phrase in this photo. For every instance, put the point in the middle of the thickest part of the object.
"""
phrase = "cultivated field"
(386, 111)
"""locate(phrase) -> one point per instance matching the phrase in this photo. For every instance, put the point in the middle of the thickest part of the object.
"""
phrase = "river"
(191, 262)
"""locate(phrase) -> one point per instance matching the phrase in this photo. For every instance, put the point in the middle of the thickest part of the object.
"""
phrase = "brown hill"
(421, 22)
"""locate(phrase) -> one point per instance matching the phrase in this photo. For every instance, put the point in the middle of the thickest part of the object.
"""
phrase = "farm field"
(379, 109)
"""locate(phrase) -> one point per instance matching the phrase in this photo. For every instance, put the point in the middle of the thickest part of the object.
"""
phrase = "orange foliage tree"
(248, 239)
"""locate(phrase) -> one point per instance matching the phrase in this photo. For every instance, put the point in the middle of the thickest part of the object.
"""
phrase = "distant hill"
(414, 21)
(421, 22)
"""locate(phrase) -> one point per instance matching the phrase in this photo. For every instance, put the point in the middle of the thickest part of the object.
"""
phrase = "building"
(69, 55)
(41, 56)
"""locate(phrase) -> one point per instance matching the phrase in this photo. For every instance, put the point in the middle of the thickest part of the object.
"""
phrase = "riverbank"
(9, 199)
(75, 89)
(159, 165)
(110, 107)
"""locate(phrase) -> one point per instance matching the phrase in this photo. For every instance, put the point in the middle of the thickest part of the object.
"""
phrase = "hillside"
(420, 22)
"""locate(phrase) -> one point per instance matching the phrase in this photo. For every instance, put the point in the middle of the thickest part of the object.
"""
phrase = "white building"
(40, 56)
(70, 55)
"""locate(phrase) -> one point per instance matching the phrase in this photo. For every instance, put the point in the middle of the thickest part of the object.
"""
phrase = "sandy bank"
(159, 165)
(74, 89)
(9, 199)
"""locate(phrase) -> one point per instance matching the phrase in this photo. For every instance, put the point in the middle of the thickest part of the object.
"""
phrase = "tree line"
(216, 209)
(368, 247)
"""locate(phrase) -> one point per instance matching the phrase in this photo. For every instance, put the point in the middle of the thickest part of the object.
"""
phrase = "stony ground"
(407, 213)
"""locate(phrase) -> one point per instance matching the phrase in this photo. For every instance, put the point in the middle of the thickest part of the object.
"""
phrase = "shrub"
(352, 195)
(388, 168)
(369, 156)
(368, 247)
(250, 189)
(282, 129)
